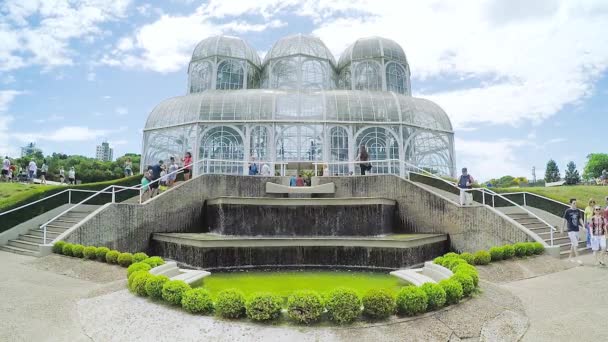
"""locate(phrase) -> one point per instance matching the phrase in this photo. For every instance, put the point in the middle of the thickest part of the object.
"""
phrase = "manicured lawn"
(563, 193)
(284, 283)
(15, 192)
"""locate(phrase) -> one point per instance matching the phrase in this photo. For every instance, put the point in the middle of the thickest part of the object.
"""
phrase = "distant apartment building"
(104, 152)
(29, 149)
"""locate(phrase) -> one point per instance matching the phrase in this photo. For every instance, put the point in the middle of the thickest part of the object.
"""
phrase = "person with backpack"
(465, 182)
(253, 168)
(363, 157)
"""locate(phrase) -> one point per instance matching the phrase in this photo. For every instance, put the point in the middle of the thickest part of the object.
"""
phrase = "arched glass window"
(200, 77)
(223, 144)
(230, 75)
(344, 81)
(313, 75)
(258, 143)
(368, 76)
(284, 75)
(299, 143)
(339, 144)
(395, 78)
(381, 144)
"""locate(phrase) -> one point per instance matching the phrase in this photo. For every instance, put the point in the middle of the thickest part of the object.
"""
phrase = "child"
(145, 188)
(598, 227)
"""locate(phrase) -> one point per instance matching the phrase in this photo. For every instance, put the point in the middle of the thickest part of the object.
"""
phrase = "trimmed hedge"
(230, 303)
(77, 251)
(90, 252)
(263, 306)
(125, 259)
(138, 266)
(132, 277)
(154, 261)
(470, 271)
(101, 253)
(139, 257)
(529, 247)
(58, 247)
(67, 249)
(411, 300)
(154, 286)
(435, 295)
(538, 247)
(520, 249)
(112, 257)
(453, 290)
(466, 281)
(304, 306)
(343, 305)
(496, 253)
(138, 284)
(378, 303)
(508, 251)
(482, 258)
(468, 257)
(197, 301)
(173, 290)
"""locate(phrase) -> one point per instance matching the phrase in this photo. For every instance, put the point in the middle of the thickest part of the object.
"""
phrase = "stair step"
(586, 250)
(528, 220)
(60, 224)
(566, 246)
(67, 220)
(57, 228)
(32, 246)
(34, 238)
(18, 250)
(40, 233)
(535, 225)
(519, 215)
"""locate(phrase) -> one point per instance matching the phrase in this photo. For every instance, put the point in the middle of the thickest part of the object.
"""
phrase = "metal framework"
(299, 105)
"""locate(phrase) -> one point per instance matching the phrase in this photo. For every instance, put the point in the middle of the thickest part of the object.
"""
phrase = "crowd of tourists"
(591, 225)
(161, 176)
(28, 173)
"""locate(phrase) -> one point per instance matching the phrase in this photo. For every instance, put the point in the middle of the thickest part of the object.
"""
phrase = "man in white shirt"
(32, 169)
(6, 167)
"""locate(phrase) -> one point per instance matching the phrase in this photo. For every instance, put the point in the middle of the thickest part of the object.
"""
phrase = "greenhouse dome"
(291, 113)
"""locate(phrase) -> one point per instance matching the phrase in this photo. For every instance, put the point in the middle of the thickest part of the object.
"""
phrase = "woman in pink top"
(188, 164)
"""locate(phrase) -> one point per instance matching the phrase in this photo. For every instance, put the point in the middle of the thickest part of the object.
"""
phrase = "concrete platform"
(264, 201)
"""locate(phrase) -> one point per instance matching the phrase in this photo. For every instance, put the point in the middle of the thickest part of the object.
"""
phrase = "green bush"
(132, 276)
(304, 306)
(529, 247)
(138, 266)
(125, 259)
(451, 255)
(112, 257)
(139, 257)
(466, 281)
(154, 261)
(470, 271)
(343, 305)
(496, 253)
(482, 258)
(154, 286)
(435, 295)
(438, 261)
(90, 252)
(378, 303)
(451, 263)
(101, 253)
(468, 257)
(508, 251)
(67, 249)
(230, 303)
(78, 251)
(453, 290)
(58, 247)
(520, 249)
(538, 247)
(173, 290)
(197, 301)
(411, 300)
(138, 283)
(263, 306)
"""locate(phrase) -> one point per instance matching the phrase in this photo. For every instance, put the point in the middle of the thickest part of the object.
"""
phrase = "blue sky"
(521, 81)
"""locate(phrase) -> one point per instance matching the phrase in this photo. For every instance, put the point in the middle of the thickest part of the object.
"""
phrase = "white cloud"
(106, 97)
(68, 134)
(490, 159)
(6, 97)
(121, 111)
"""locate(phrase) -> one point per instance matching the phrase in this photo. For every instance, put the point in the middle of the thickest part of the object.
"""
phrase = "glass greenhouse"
(299, 107)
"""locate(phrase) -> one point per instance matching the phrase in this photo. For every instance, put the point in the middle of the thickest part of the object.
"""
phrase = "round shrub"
(466, 281)
(411, 300)
(154, 286)
(197, 301)
(58, 247)
(520, 249)
(451, 255)
(453, 290)
(451, 263)
(378, 303)
(438, 261)
(263, 306)
(78, 251)
(101, 253)
(538, 247)
(529, 247)
(139, 257)
(132, 276)
(482, 258)
(508, 251)
(67, 249)
(90, 252)
(435, 295)
(138, 266)
(230, 303)
(343, 305)
(138, 283)
(173, 290)
(470, 271)
(154, 261)
(125, 259)
(304, 306)
(496, 253)
(468, 257)
(112, 257)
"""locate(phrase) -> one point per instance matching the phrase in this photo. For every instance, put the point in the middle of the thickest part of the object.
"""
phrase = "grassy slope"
(563, 193)
(15, 192)
(283, 283)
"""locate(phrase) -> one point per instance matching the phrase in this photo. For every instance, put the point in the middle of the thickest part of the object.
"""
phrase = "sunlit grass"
(563, 193)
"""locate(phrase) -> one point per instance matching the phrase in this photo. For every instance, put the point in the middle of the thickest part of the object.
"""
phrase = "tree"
(596, 163)
(552, 172)
(571, 175)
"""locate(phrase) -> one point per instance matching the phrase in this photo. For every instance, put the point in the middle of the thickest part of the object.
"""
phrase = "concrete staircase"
(29, 243)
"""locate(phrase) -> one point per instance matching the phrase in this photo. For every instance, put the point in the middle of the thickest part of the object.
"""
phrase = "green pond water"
(285, 282)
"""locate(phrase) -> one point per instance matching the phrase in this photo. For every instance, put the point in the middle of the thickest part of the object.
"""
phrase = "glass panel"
(259, 143)
(299, 143)
(224, 144)
(314, 75)
(200, 76)
(230, 75)
(395, 78)
(368, 76)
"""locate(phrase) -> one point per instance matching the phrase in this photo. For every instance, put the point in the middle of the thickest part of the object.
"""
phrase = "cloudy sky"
(522, 81)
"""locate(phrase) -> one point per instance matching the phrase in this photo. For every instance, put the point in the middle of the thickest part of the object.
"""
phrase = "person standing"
(465, 181)
(72, 175)
(188, 166)
(156, 173)
(32, 169)
(293, 181)
(363, 157)
(43, 170)
(299, 181)
(128, 168)
(266, 170)
(6, 166)
(598, 229)
(253, 168)
(573, 219)
(61, 175)
(172, 174)
(587, 218)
